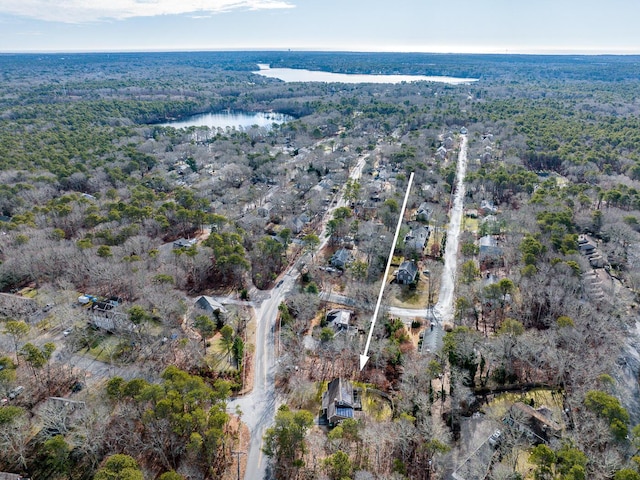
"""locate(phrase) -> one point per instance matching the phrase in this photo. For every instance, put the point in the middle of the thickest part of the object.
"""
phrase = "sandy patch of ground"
(241, 445)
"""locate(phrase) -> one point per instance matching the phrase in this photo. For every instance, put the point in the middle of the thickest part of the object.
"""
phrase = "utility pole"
(238, 453)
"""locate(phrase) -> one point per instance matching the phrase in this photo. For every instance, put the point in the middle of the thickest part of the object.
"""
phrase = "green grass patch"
(470, 224)
(28, 292)
(547, 397)
(376, 407)
(44, 324)
(407, 297)
(217, 357)
(106, 349)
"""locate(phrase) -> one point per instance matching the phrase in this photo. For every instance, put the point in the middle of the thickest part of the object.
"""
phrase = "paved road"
(340, 201)
(259, 407)
(444, 307)
(441, 312)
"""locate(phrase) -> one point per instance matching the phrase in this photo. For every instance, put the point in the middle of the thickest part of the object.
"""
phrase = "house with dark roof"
(424, 212)
(341, 258)
(448, 142)
(537, 424)
(339, 401)
(210, 304)
(407, 272)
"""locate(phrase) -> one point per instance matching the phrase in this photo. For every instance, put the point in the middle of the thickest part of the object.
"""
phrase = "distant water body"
(230, 119)
(301, 75)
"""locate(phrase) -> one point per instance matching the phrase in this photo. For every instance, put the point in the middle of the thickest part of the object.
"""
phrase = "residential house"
(589, 250)
(489, 249)
(488, 208)
(487, 138)
(341, 258)
(448, 142)
(407, 272)
(305, 182)
(416, 240)
(265, 210)
(339, 319)
(486, 158)
(585, 246)
(210, 305)
(111, 321)
(11, 476)
(441, 152)
(327, 184)
(184, 243)
(424, 212)
(537, 424)
(471, 213)
(339, 401)
(298, 223)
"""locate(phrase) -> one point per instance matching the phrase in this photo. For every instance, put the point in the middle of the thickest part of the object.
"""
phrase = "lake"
(301, 75)
(230, 119)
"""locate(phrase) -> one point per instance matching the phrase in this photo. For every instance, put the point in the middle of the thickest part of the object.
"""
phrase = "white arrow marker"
(364, 358)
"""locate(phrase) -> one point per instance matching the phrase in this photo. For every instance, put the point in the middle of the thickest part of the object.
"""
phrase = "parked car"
(77, 387)
(15, 392)
(495, 439)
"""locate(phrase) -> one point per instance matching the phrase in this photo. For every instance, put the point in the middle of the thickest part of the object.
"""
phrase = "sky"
(461, 26)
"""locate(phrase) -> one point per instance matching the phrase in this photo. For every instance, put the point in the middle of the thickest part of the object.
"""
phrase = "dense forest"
(136, 258)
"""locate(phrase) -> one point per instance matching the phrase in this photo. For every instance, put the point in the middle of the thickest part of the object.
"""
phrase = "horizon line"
(445, 51)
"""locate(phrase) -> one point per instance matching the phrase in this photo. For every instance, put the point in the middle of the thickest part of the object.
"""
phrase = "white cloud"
(81, 11)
